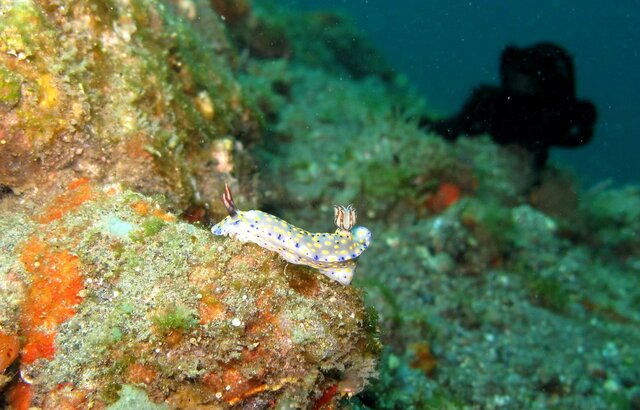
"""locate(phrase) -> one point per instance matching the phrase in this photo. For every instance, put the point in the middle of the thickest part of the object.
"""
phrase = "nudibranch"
(333, 254)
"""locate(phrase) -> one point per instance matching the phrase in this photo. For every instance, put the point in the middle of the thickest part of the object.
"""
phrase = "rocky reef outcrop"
(110, 297)
(120, 122)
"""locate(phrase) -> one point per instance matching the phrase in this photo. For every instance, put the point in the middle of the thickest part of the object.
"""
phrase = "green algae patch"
(152, 226)
(149, 227)
(175, 317)
(184, 316)
(18, 39)
(10, 84)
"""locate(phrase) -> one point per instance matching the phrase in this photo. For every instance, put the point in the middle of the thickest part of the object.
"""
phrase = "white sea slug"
(333, 254)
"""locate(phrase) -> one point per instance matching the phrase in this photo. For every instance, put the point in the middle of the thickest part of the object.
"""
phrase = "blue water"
(446, 47)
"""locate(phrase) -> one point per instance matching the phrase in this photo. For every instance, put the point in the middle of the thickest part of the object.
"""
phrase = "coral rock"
(115, 293)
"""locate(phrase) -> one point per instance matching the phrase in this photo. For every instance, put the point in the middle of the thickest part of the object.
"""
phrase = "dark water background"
(446, 47)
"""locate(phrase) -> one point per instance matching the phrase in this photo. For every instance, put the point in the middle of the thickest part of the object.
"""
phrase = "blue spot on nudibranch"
(315, 257)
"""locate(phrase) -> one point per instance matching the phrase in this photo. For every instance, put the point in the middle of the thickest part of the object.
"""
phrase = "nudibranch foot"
(342, 274)
(333, 254)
